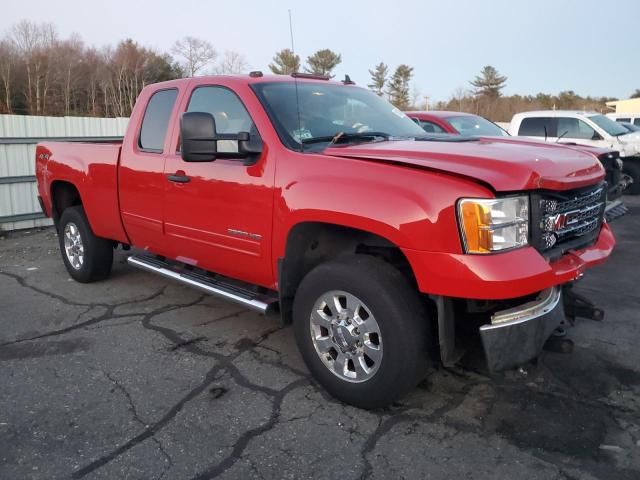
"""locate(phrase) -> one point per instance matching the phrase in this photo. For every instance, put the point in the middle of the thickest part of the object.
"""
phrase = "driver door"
(217, 214)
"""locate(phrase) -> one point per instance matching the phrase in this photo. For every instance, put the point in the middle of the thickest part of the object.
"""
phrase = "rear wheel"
(632, 168)
(87, 258)
(362, 330)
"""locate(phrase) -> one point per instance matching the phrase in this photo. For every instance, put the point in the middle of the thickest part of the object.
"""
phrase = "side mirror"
(198, 140)
(596, 136)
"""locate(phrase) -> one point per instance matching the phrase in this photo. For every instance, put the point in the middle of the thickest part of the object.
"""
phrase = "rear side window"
(156, 120)
(536, 127)
(623, 120)
(636, 121)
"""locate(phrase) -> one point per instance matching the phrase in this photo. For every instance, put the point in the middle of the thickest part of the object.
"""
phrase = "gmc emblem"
(562, 220)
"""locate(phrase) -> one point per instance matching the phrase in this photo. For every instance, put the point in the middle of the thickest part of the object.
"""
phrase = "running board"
(259, 302)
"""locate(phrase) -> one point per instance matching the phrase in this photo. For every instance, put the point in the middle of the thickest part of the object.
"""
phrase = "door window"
(431, 127)
(574, 128)
(227, 110)
(156, 120)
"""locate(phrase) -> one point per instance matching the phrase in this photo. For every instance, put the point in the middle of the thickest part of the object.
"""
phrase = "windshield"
(473, 125)
(326, 110)
(612, 128)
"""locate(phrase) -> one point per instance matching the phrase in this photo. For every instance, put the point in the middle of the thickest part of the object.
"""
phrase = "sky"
(541, 46)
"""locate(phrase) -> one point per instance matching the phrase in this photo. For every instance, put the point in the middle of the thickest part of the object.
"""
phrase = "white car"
(583, 128)
(633, 118)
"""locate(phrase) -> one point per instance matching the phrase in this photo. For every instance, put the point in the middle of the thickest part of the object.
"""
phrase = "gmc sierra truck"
(387, 248)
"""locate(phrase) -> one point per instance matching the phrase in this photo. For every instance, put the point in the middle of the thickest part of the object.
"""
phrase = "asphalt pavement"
(139, 378)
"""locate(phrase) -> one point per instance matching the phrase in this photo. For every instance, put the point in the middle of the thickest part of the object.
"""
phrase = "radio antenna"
(291, 32)
(295, 81)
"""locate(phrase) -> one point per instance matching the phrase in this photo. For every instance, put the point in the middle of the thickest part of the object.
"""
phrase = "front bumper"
(505, 275)
(517, 335)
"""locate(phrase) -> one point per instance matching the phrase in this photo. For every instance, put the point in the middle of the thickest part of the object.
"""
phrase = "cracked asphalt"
(137, 377)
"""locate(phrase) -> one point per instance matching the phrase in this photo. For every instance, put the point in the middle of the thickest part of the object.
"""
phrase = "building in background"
(631, 105)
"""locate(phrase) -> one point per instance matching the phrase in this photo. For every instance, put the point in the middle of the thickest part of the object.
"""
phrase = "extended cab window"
(227, 110)
(156, 120)
(536, 127)
(574, 128)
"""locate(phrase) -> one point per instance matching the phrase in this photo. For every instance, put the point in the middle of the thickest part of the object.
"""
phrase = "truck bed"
(93, 169)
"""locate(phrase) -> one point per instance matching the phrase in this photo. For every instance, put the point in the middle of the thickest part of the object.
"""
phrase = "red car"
(322, 201)
(445, 122)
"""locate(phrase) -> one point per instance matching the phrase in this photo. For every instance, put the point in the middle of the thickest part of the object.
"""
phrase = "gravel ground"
(136, 377)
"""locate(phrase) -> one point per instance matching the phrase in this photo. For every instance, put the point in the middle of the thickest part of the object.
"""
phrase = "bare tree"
(232, 63)
(34, 43)
(195, 53)
(8, 60)
(69, 56)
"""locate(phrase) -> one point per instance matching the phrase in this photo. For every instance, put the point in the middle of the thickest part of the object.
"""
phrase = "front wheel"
(632, 168)
(87, 258)
(362, 330)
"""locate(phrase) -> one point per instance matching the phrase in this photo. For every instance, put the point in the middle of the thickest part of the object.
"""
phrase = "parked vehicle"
(584, 128)
(633, 118)
(380, 243)
(440, 121)
(460, 123)
(630, 126)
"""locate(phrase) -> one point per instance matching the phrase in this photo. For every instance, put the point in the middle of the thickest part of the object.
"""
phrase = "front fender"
(411, 208)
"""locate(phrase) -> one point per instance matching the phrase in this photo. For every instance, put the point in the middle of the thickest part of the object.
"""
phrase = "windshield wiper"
(342, 136)
(447, 138)
(563, 134)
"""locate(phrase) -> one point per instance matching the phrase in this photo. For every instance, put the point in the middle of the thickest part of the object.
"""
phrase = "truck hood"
(506, 164)
(631, 137)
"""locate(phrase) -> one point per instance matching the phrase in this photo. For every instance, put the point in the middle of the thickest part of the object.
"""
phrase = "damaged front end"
(512, 332)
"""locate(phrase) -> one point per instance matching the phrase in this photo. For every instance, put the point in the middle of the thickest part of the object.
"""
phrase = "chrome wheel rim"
(346, 336)
(73, 248)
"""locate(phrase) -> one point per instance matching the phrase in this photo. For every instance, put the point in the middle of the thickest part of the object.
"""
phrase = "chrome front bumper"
(517, 335)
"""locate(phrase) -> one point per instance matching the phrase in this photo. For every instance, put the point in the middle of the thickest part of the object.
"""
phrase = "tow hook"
(575, 305)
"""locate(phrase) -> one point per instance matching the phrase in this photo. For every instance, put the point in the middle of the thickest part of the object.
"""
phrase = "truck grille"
(567, 220)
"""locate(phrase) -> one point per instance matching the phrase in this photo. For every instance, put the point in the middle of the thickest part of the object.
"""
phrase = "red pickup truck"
(383, 245)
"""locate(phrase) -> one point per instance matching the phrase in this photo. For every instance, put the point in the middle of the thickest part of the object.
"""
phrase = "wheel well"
(63, 195)
(312, 243)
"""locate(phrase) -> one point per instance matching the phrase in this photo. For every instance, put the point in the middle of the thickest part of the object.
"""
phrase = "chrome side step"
(259, 302)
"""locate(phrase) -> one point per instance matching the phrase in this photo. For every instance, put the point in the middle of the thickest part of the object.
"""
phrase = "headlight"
(492, 225)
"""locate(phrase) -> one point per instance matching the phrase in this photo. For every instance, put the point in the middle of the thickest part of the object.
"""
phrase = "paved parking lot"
(136, 377)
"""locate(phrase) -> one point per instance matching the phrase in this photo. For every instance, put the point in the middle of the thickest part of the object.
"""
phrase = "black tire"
(632, 168)
(399, 313)
(98, 252)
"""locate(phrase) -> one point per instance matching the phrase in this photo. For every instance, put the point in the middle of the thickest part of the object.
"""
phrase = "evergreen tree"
(399, 86)
(323, 62)
(635, 94)
(378, 78)
(489, 82)
(285, 62)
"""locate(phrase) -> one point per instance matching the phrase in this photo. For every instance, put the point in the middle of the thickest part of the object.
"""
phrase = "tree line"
(42, 74)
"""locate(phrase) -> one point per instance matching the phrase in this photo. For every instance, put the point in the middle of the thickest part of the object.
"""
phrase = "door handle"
(178, 177)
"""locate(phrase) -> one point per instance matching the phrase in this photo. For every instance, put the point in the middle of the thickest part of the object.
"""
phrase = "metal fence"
(19, 135)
